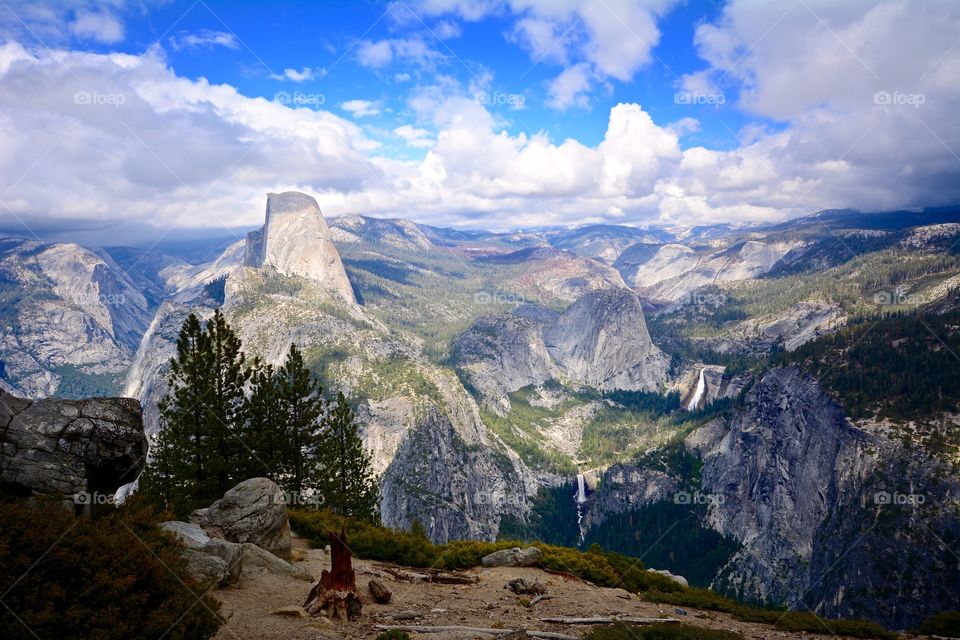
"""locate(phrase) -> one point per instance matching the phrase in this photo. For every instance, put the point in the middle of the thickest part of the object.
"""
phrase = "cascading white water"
(581, 497)
(698, 393)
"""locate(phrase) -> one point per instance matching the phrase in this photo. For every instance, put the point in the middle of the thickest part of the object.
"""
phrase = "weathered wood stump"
(336, 592)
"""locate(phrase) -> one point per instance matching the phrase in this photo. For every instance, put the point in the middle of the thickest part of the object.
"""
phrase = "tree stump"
(336, 592)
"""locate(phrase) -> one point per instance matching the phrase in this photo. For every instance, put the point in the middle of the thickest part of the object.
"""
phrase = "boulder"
(522, 586)
(209, 560)
(254, 511)
(85, 449)
(515, 557)
(678, 579)
(381, 594)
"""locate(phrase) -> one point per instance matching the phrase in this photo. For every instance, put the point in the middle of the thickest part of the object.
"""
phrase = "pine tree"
(266, 425)
(346, 483)
(225, 405)
(198, 454)
(301, 398)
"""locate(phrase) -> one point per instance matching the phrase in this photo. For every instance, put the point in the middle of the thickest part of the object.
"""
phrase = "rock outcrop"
(500, 354)
(213, 560)
(457, 488)
(254, 511)
(82, 448)
(831, 515)
(602, 340)
(515, 557)
(296, 241)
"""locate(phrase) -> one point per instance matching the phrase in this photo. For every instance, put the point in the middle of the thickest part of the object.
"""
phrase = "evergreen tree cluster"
(224, 421)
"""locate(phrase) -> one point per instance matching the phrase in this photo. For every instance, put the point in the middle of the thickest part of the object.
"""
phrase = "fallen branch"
(546, 635)
(541, 598)
(609, 620)
(432, 575)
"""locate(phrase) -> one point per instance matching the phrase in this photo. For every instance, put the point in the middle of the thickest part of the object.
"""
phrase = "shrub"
(109, 577)
(946, 624)
(621, 631)
(393, 634)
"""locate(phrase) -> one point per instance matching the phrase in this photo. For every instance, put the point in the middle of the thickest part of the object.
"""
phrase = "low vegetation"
(946, 624)
(602, 568)
(111, 577)
(622, 631)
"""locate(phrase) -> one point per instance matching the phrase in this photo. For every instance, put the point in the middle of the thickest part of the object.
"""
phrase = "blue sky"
(493, 113)
(323, 37)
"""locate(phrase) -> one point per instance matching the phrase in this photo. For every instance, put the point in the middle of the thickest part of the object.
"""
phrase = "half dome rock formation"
(70, 447)
(296, 241)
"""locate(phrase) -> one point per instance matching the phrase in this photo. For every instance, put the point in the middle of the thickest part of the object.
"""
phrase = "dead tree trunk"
(336, 592)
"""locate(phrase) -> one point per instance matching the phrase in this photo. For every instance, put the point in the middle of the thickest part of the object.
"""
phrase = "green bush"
(115, 576)
(393, 634)
(946, 624)
(621, 631)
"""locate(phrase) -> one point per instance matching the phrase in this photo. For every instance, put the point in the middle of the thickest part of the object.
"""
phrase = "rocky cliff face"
(76, 313)
(774, 469)
(500, 354)
(842, 519)
(456, 488)
(830, 515)
(601, 340)
(69, 447)
(671, 271)
(295, 240)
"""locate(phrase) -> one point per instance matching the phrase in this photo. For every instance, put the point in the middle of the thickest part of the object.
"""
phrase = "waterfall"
(698, 394)
(580, 498)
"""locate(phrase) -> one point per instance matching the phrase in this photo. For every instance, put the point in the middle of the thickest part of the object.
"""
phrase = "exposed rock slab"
(70, 447)
(515, 557)
(254, 511)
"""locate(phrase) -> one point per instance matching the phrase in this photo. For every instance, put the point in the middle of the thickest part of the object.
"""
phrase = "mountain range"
(770, 411)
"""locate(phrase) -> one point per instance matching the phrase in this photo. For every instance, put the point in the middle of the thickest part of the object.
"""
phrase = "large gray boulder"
(83, 448)
(221, 562)
(209, 560)
(515, 557)
(254, 511)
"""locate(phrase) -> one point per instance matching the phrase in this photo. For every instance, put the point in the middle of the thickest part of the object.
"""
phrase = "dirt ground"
(249, 606)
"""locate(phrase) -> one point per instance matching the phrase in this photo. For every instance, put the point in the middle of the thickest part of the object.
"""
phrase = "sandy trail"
(488, 603)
